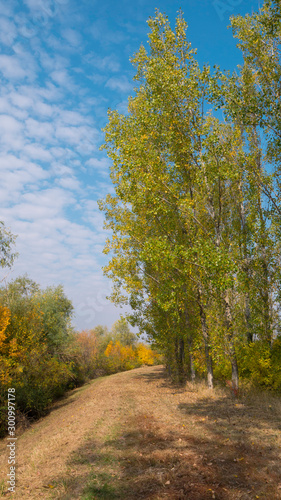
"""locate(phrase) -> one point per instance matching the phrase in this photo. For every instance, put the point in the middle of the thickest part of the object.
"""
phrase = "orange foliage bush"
(120, 357)
(146, 356)
(28, 361)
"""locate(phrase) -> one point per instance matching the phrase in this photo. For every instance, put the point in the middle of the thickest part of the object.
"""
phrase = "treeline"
(41, 356)
(196, 214)
(103, 352)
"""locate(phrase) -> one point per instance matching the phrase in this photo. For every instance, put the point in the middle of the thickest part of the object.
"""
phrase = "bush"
(146, 356)
(34, 339)
(120, 358)
(261, 364)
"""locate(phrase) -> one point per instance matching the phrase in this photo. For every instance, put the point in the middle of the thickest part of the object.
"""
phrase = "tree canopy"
(7, 240)
(195, 218)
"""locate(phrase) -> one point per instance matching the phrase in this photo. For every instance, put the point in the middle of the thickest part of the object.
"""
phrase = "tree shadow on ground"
(160, 375)
(240, 439)
(153, 462)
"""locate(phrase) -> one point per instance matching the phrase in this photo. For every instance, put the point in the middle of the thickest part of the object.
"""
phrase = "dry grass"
(134, 436)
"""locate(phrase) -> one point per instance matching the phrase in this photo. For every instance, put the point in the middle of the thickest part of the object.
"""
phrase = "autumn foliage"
(126, 357)
(41, 356)
(32, 359)
(194, 214)
(100, 352)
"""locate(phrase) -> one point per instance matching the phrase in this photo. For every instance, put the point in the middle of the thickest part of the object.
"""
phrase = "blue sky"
(63, 63)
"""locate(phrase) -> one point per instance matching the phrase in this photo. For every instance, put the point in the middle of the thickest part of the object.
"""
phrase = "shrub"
(260, 362)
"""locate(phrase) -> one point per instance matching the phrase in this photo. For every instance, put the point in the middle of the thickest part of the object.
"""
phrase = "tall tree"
(166, 237)
(252, 100)
(194, 242)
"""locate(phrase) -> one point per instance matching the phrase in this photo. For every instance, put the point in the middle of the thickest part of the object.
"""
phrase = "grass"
(198, 444)
(135, 436)
(2, 488)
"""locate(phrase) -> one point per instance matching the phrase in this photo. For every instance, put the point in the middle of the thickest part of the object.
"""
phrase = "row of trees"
(103, 352)
(41, 355)
(195, 219)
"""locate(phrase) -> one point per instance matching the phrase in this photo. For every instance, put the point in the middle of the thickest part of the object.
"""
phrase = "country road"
(133, 436)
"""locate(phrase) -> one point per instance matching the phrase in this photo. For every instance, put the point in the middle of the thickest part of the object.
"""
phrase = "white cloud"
(54, 198)
(9, 125)
(61, 77)
(100, 165)
(51, 171)
(8, 31)
(33, 4)
(106, 63)
(119, 83)
(6, 108)
(40, 130)
(11, 138)
(72, 117)
(59, 169)
(12, 165)
(81, 137)
(41, 205)
(11, 67)
(37, 152)
(44, 10)
(69, 183)
(104, 34)
(7, 8)
(49, 92)
(44, 109)
(72, 36)
(22, 101)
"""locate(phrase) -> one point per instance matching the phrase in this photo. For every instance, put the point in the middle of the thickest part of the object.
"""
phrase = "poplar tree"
(195, 215)
(167, 157)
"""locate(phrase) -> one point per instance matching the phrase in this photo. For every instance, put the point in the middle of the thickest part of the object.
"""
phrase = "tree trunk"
(235, 375)
(248, 320)
(189, 341)
(205, 332)
(179, 357)
(192, 368)
(233, 358)
(181, 361)
(209, 364)
(266, 302)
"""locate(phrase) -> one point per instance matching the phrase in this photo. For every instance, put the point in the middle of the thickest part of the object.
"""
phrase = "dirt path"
(134, 436)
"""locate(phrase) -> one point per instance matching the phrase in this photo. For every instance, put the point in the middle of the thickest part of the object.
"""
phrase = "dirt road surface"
(134, 436)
